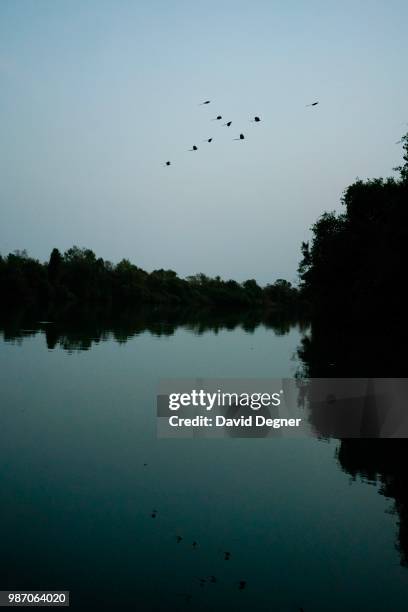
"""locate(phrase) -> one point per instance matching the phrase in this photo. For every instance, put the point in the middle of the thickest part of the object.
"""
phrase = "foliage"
(79, 277)
(357, 260)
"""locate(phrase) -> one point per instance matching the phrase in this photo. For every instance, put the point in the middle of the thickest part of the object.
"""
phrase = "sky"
(96, 95)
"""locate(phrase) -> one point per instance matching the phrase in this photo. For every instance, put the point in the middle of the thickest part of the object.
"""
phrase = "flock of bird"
(241, 584)
(203, 581)
(228, 124)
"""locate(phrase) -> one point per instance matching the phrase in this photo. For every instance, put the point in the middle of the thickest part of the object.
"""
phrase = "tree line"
(354, 268)
(355, 265)
(78, 276)
(353, 274)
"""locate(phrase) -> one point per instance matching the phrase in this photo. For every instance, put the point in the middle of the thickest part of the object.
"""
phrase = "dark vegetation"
(78, 277)
(353, 274)
(355, 267)
(353, 277)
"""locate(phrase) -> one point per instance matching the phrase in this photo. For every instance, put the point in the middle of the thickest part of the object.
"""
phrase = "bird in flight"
(166, 164)
(228, 123)
(217, 118)
(194, 148)
(208, 140)
(206, 102)
(255, 120)
(241, 137)
(313, 104)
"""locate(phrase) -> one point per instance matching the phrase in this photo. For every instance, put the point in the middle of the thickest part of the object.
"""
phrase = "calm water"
(77, 426)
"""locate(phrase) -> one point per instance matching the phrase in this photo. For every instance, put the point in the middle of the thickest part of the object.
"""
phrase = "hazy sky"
(96, 95)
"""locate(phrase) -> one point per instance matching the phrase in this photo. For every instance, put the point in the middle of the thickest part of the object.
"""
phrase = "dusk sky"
(95, 96)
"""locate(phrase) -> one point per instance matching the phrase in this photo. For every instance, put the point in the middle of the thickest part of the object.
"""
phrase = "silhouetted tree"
(356, 261)
(55, 265)
(79, 277)
(353, 273)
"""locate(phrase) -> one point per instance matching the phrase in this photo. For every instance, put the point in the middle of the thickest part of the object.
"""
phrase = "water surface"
(77, 427)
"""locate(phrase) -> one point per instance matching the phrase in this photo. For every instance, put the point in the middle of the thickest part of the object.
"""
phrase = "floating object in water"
(242, 585)
(227, 556)
(195, 544)
(178, 539)
(154, 513)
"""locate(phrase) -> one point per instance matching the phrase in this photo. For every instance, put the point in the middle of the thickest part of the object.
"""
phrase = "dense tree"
(356, 262)
(55, 267)
(353, 273)
(79, 277)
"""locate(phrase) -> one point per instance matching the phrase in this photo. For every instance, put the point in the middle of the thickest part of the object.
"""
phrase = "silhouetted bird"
(227, 556)
(217, 118)
(256, 120)
(194, 148)
(228, 123)
(242, 585)
(166, 164)
(195, 544)
(313, 104)
(206, 102)
(241, 137)
(178, 539)
(208, 140)
(154, 513)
